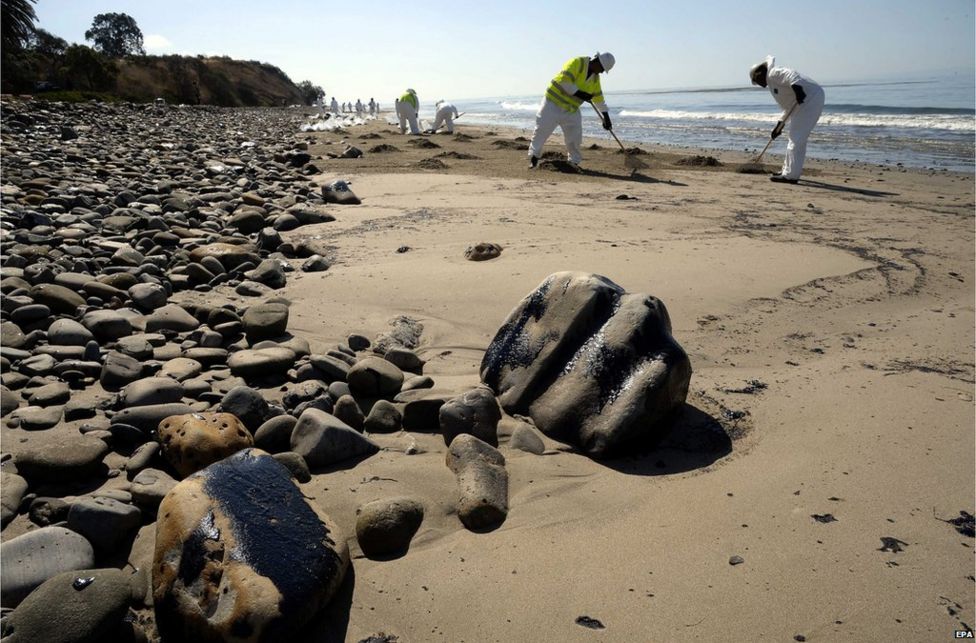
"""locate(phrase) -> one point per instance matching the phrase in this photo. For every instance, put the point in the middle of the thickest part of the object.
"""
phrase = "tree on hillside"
(116, 35)
(83, 62)
(16, 23)
(47, 44)
(310, 93)
(49, 51)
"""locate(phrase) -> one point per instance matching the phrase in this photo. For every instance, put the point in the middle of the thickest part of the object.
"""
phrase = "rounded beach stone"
(58, 298)
(73, 606)
(149, 487)
(295, 464)
(105, 522)
(275, 434)
(148, 297)
(12, 490)
(151, 390)
(193, 441)
(247, 405)
(323, 439)
(118, 370)
(475, 412)
(384, 417)
(526, 438)
(71, 458)
(34, 557)
(405, 359)
(261, 362)
(240, 550)
(385, 527)
(265, 321)
(38, 418)
(11, 336)
(107, 325)
(171, 317)
(482, 481)
(180, 369)
(374, 377)
(148, 417)
(9, 401)
(347, 410)
(46, 511)
(50, 394)
(68, 332)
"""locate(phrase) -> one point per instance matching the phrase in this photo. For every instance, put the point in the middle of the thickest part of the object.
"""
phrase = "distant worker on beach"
(334, 106)
(407, 109)
(359, 107)
(802, 101)
(444, 115)
(372, 106)
(576, 83)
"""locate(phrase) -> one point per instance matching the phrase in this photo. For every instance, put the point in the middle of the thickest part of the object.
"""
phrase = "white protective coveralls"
(334, 106)
(406, 110)
(551, 115)
(779, 80)
(446, 113)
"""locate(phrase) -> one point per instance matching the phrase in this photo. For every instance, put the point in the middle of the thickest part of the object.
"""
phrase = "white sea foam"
(520, 107)
(918, 121)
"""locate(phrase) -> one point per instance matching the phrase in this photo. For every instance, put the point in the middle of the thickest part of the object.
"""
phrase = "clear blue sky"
(475, 48)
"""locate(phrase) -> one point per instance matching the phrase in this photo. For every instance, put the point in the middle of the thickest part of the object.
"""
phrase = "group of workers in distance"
(359, 108)
(578, 82)
(408, 108)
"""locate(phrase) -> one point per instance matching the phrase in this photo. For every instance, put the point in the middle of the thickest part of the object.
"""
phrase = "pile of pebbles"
(109, 212)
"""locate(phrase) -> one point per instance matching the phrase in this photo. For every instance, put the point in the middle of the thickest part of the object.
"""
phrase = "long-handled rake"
(631, 161)
(755, 166)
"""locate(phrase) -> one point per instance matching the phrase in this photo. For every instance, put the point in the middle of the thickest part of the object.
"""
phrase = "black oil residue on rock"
(965, 524)
(271, 522)
(589, 622)
(699, 161)
(824, 518)
(892, 544)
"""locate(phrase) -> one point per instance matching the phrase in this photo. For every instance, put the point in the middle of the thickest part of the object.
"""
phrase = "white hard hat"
(607, 60)
(768, 64)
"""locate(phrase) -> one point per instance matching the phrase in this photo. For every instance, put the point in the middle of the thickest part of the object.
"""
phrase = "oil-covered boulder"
(241, 555)
(591, 364)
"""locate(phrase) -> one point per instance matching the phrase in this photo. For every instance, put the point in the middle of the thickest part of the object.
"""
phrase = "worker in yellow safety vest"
(576, 83)
(407, 109)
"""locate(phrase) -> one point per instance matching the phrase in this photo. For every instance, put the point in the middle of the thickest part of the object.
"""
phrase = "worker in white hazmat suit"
(802, 102)
(577, 82)
(444, 115)
(334, 106)
(407, 109)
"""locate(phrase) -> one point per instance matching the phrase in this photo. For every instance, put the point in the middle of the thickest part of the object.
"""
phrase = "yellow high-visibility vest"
(575, 72)
(411, 99)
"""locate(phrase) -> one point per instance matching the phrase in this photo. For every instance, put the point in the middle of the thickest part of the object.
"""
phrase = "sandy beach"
(830, 326)
(850, 297)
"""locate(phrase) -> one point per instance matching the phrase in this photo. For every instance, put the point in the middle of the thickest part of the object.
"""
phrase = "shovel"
(631, 161)
(755, 166)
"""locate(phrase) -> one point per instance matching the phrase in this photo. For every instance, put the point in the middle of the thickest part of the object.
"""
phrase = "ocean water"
(928, 123)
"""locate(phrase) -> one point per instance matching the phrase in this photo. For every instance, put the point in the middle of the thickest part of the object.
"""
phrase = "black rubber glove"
(583, 95)
(800, 94)
(607, 125)
(777, 130)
